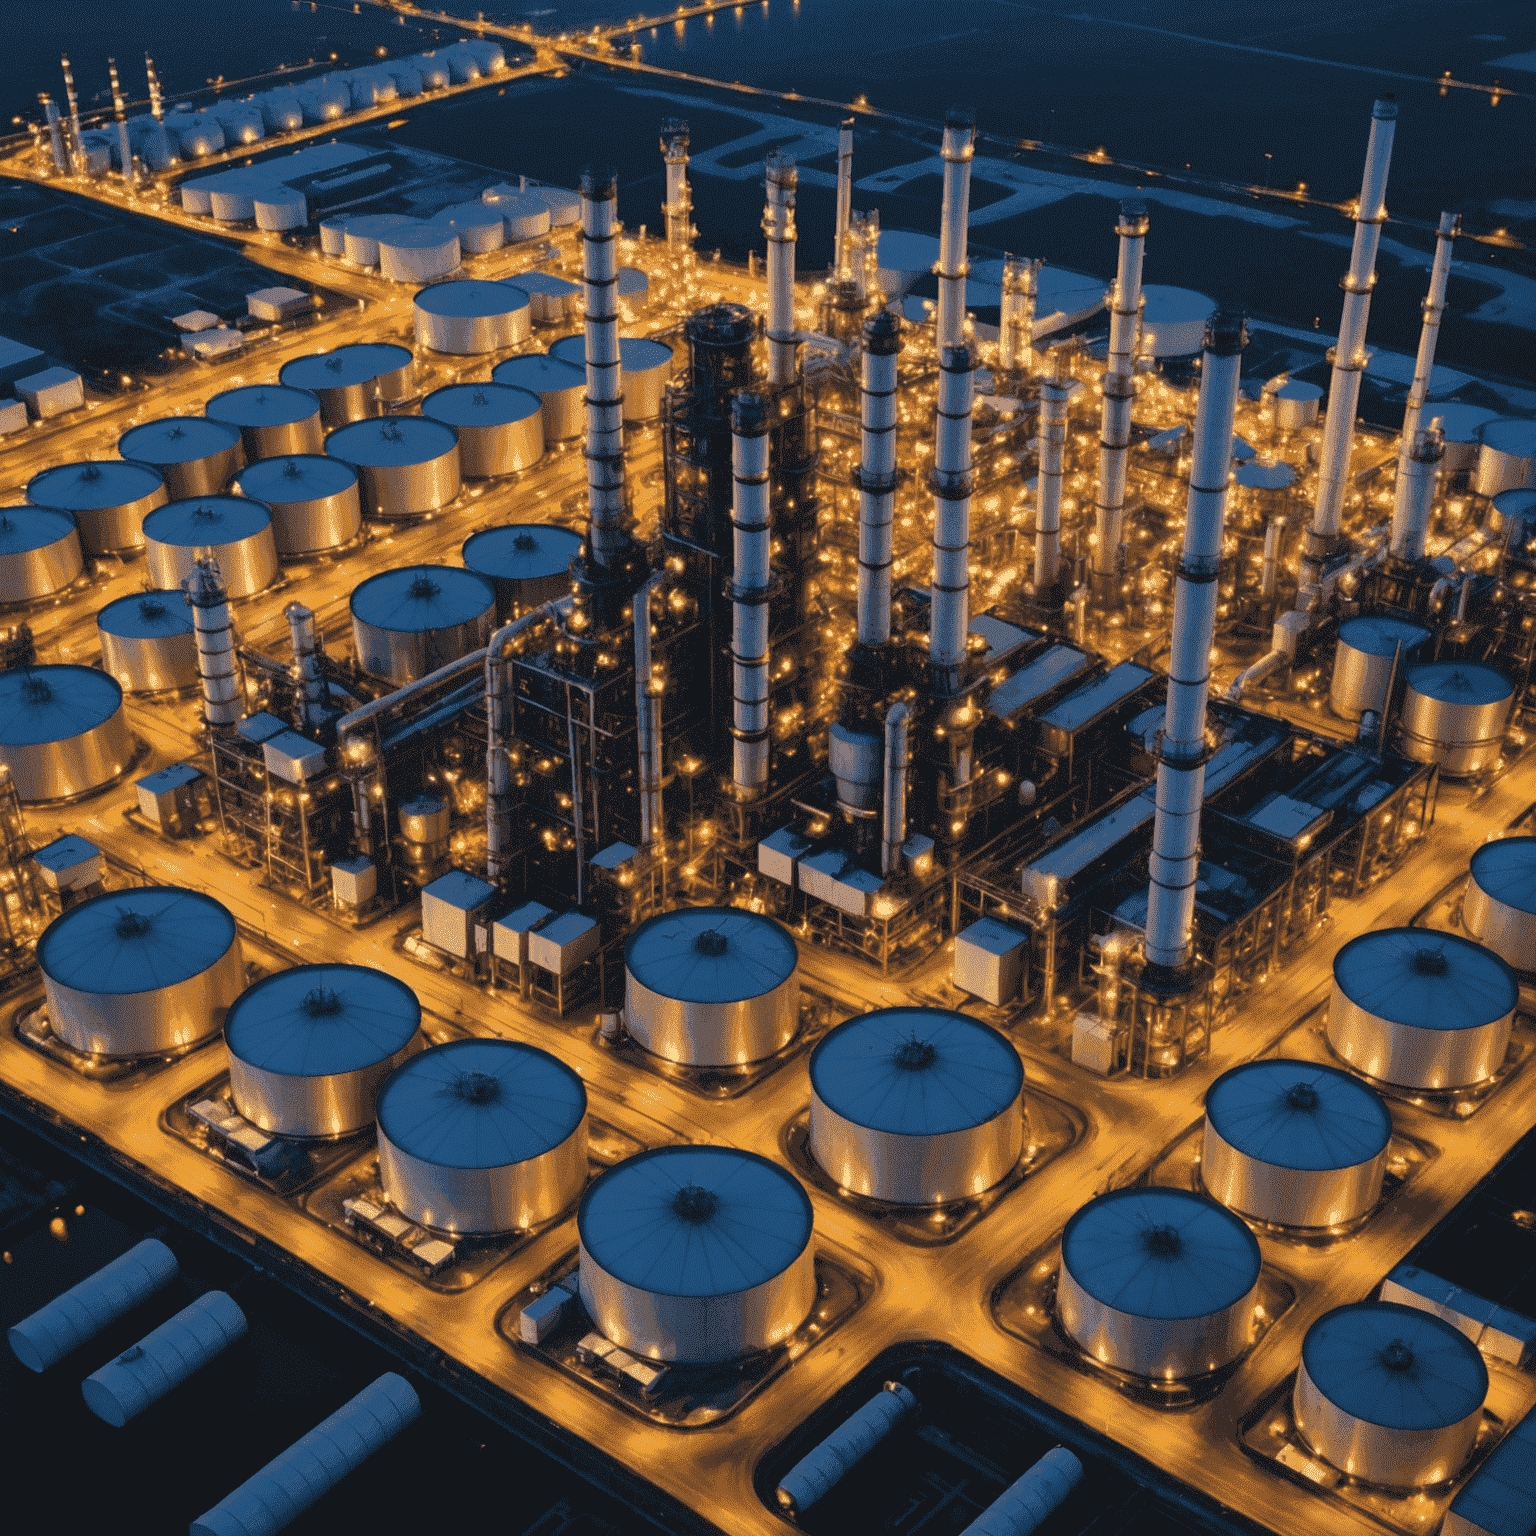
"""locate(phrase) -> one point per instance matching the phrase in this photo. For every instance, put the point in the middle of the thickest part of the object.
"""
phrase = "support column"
(779, 227)
(954, 221)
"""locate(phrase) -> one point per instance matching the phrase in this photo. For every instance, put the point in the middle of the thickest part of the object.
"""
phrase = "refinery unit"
(651, 816)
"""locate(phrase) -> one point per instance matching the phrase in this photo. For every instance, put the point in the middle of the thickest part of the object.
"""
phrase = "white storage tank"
(1506, 456)
(644, 369)
(1159, 1283)
(1514, 517)
(196, 456)
(1297, 404)
(40, 552)
(235, 530)
(560, 386)
(280, 210)
(233, 194)
(393, 366)
(198, 133)
(554, 299)
(1499, 907)
(528, 564)
(711, 986)
(501, 429)
(696, 1255)
(406, 75)
(140, 972)
(564, 206)
(62, 731)
(524, 215)
(1389, 1394)
(324, 100)
(1454, 715)
(1461, 425)
(1173, 320)
(272, 419)
(483, 1136)
(434, 72)
(1362, 661)
(313, 500)
(410, 622)
(1294, 1144)
(309, 1048)
(916, 1106)
(147, 641)
(633, 287)
(1421, 1009)
(469, 318)
(108, 501)
(360, 238)
(406, 465)
(418, 253)
(281, 111)
(333, 233)
(479, 228)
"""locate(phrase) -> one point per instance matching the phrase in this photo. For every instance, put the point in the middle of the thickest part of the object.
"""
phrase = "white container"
(418, 253)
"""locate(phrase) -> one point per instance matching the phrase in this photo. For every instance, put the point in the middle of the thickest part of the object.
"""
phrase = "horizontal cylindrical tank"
(1160, 1283)
(272, 419)
(817, 1473)
(142, 971)
(406, 465)
(560, 386)
(360, 238)
(528, 564)
(418, 253)
(1499, 907)
(1026, 1504)
(469, 318)
(1294, 1144)
(62, 731)
(483, 1136)
(108, 500)
(553, 298)
(40, 552)
(197, 456)
(310, 1047)
(1362, 661)
(313, 499)
(1454, 714)
(711, 986)
(696, 1254)
(410, 622)
(280, 209)
(916, 1105)
(1389, 1394)
(68, 1321)
(1421, 1009)
(1296, 404)
(1506, 456)
(147, 642)
(501, 428)
(644, 368)
(235, 530)
(479, 228)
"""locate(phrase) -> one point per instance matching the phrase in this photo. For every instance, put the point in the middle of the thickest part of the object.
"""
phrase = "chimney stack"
(954, 221)
(779, 227)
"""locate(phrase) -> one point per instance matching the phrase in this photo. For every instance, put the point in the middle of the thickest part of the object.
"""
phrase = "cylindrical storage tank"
(406, 76)
(1389, 1394)
(140, 971)
(696, 1255)
(1294, 1144)
(1160, 1283)
(916, 1106)
(313, 500)
(360, 239)
(553, 298)
(198, 133)
(482, 1136)
(418, 253)
(62, 731)
(434, 72)
(281, 111)
(634, 286)
(147, 641)
(524, 215)
(1297, 404)
(560, 386)
(196, 198)
(479, 228)
(469, 318)
(501, 429)
(527, 563)
(281, 209)
(711, 986)
(1506, 456)
(1173, 320)
(1423, 1009)
(564, 207)
(644, 368)
(310, 1047)
(1454, 714)
(1461, 426)
(425, 824)
(272, 419)
(345, 382)
(333, 233)
(197, 456)
(108, 500)
(1514, 518)
(1499, 907)
(235, 530)
(1362, 661)
(410, 622)
(394, 369)
(233, 199)
(406, 465)
(40, 551)
(324, 100)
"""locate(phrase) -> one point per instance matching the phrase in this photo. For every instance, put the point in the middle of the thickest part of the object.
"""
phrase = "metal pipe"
(949, 613)
(1349, 355)
(223, 685)
(954, 220)
(1114, 457)
(844, 194)
(1031, 1501)
(876, 475)
(124, 148)
(1418, 474)
(894, 833)
(156, 101)
(301, 631)
(817, 1473)
(1175, 859)
(750, 539)
(779, 226)
(607, 537)
(1434, 309)
(74, 105)
(1269, 575)
(1016, 319)
(1055, 393)
(1125, 296)
(678, 208)
(55, 133)
(648, 717)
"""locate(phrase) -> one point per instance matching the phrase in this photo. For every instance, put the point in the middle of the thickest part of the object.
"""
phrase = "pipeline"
(954, 223)
(750, 539)
(779, 226)
(876, 475)
(949, 615)
(894, 833)
(648, 717)
(607, 536)
(1434, 310)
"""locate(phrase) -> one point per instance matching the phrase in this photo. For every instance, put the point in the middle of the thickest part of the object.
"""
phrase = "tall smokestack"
(1016, 318)
(844, 194)
(678, 207)
(779, 226)
(124, 149)
(306, 660)
(1055, 393)
(217, 663)
(648, 718)
(949, 614)
(877, 475)
(1418, 472)
(894, 818)
(74, 106)
(1434, 309)
(1119, 391)
(1349, 357)
(156, 101)
(1125, 301)
(607, 537)
(55, 133)
(750, 537)
(954, 220)
(1175, 860)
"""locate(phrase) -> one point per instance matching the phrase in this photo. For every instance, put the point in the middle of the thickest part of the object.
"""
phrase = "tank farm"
(731, 871)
